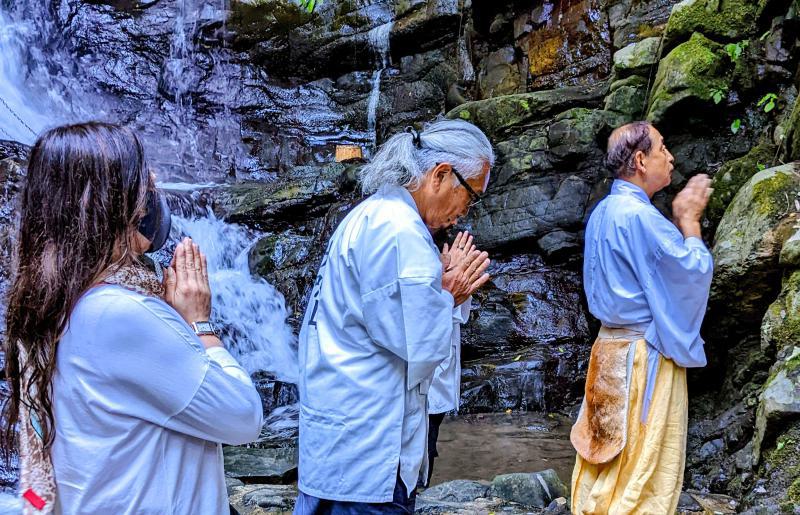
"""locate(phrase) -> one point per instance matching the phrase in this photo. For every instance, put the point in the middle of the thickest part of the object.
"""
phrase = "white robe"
(377, 325)
(445, 392)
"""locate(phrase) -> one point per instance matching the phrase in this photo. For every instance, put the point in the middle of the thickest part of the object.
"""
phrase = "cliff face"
(256, 94)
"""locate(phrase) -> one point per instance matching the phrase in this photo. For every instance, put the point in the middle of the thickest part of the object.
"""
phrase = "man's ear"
(439, 175)
(638, 161)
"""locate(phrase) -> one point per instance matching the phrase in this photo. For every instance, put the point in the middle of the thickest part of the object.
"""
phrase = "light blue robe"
(640, 273)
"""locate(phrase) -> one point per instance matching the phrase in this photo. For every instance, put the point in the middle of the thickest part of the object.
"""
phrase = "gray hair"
(623, 144)
(401, 162)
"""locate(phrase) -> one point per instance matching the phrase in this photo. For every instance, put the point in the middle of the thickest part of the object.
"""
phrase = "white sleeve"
(406, 311)
(229, 365)
(161, 373)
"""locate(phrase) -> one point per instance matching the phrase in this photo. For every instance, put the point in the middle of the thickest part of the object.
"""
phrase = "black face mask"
(157, 222)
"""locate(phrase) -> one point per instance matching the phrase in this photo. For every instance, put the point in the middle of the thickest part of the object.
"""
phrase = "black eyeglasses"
(474, 197)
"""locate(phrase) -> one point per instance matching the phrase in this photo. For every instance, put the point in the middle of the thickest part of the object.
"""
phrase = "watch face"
(204, 327)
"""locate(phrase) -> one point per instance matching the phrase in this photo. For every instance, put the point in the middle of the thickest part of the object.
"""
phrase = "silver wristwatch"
(205, 328)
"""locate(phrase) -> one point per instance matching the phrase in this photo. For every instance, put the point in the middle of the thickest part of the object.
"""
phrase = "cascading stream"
(379, 41)
(251, 312)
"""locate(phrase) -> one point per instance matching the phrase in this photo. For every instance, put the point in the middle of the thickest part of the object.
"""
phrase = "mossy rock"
(576, 133)
(687, 78)
(722, 20)
(780, 472)
(271, 205)
(628, 97)
(747, 245)
(510, 114)
(733, 174)
(637, 58)
(781, 327)
(780, 400)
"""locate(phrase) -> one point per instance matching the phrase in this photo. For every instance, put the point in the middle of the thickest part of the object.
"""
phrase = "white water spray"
(250, 311)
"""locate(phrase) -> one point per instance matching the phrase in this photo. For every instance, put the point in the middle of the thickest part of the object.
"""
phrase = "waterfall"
(25, 107)
(250, 312)
(379, 41)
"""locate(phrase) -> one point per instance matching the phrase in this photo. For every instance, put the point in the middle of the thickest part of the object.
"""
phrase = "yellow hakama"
(647, 474)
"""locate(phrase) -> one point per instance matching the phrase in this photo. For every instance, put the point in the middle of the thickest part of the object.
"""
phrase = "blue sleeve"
(676, 288)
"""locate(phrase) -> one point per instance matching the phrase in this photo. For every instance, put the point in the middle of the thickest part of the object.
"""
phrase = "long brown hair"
(83, 198)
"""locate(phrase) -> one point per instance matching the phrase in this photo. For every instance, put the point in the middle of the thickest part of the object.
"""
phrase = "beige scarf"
(37, 483)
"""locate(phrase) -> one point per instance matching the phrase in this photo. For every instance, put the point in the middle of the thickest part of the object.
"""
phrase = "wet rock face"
(566, 42)
(526, 340)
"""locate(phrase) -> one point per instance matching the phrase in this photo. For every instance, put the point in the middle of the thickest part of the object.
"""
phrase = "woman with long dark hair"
(121, 392)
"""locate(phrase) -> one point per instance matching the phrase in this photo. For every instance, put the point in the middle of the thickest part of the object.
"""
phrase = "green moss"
(774, 196)
(733, 175)
(726, 20)
(464, 114)
(691, 71)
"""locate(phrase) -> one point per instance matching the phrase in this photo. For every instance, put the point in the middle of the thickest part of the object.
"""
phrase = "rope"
(17, 117)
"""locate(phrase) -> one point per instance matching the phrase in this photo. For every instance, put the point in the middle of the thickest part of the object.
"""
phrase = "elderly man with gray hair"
(647, 279)
(379, 322)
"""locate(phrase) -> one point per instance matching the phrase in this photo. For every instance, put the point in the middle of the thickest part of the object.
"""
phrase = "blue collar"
(623, 187)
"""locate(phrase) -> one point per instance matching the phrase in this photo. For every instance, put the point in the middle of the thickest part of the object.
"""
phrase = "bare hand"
(455, 255)
(463, 277)
(688, 205)
(186, 285)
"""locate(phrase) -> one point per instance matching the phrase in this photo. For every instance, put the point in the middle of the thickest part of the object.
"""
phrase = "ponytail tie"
(414, 136)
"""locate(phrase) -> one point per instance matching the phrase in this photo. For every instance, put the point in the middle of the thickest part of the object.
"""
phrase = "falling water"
(379, 41)
(250, 312)
(25, 108)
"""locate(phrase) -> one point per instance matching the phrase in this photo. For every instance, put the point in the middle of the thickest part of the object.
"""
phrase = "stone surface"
(536, 489)
(499, 74)
(566, 43)
(637, 58)
(263, 499)
(632, 20)
(747, 245)
(686, 79)
(628, 97)
(733, 174)
(507, 114)
(722, 20)
(254, 464)
(459, 490)
(780, 400)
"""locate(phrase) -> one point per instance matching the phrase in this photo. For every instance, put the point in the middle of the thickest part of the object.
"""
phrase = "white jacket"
(445, 391)
(377, 325)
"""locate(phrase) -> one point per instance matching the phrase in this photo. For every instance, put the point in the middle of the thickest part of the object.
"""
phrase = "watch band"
(204, 328)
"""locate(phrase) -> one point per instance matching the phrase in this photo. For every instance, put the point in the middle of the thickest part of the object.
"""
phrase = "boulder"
(308, 191)
(733, 174)
(687, 78)
(747, 246)
(458, 491)
(509, 114)
(531, 209)
(637, 58)
(263, 499)
(536, 489)
(627, 97)
(255, 464)
(780, 400)
(721, 20)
